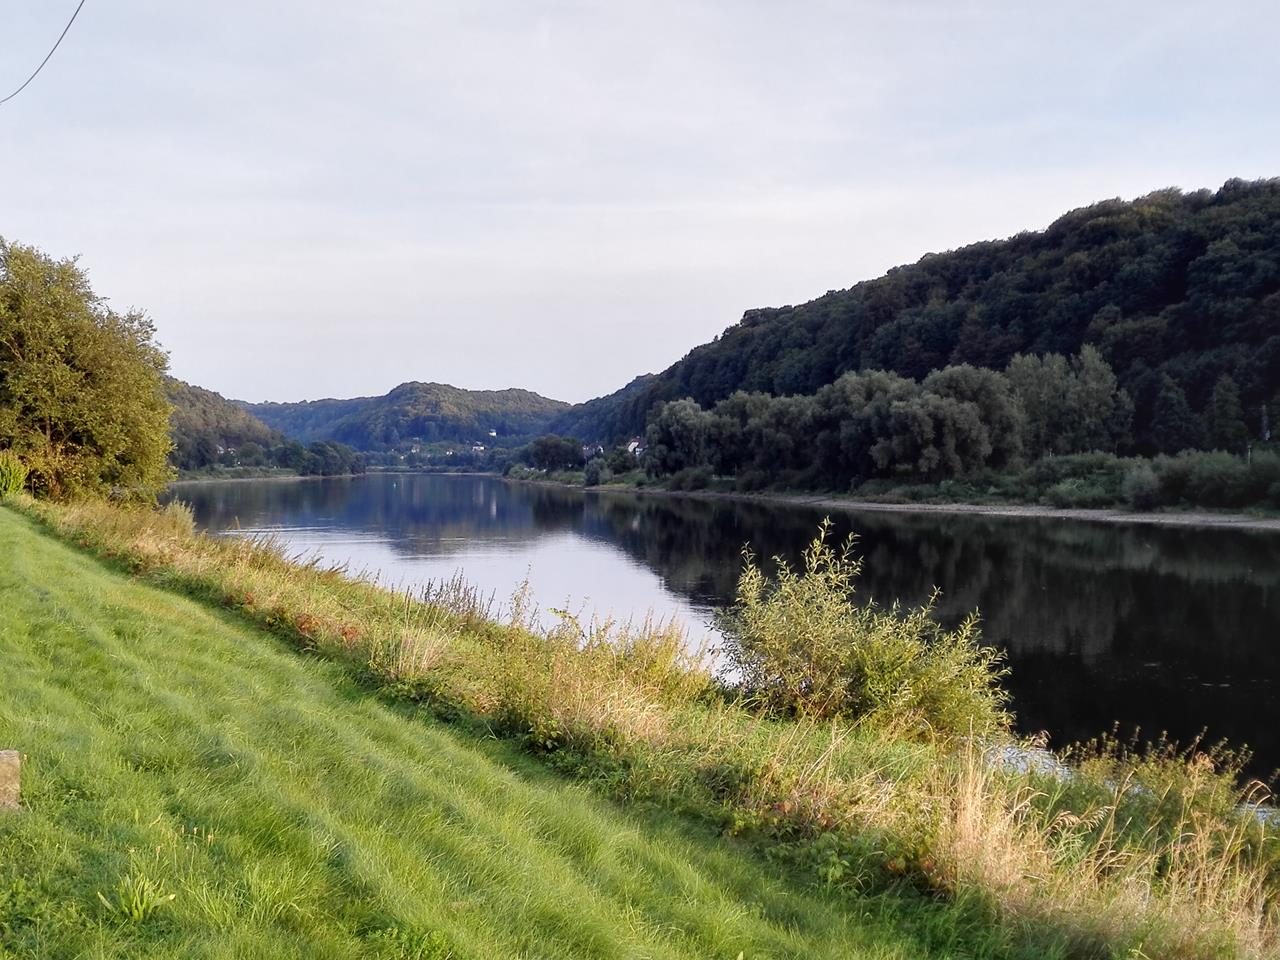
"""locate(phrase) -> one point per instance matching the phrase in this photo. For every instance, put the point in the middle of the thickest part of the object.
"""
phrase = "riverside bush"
(1141, 487)
(1217, 479)
(801, 645)
(596, 472)
(690, 478)
(1078, 480)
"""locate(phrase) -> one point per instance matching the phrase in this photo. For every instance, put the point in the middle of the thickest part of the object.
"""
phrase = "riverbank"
(858, 808)
(192, 787)
(830, 502)
(254, 475)
(1190, 518)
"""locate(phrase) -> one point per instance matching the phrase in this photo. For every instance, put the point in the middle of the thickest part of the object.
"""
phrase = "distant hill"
(204, 423)
(425, 412)
(611, 417)
(1183, 284)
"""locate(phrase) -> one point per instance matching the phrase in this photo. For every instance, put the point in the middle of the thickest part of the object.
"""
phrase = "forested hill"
(413, 411)
(204, 424)
(1179, 284)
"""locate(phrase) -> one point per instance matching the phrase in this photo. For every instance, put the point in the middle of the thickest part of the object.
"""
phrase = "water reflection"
(1168, 628)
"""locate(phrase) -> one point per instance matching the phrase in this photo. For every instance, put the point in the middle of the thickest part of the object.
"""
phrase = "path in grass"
(172, 750)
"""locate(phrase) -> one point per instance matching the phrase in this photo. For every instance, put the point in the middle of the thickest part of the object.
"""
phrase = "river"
(1171, 629)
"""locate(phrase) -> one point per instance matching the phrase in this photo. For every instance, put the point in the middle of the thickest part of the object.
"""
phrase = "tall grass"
(1132, 854)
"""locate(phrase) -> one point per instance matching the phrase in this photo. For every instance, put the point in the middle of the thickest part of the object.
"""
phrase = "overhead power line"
(47, 55)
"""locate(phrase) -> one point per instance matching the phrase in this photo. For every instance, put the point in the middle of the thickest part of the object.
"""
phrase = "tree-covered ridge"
(413, 412)
(209, 432)
(1175, 290)
(205, 424)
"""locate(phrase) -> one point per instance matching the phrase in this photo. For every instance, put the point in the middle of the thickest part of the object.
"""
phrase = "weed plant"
(801, 644)
(13, 474)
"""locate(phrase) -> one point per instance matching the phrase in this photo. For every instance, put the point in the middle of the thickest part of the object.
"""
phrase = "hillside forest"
(1174, 291)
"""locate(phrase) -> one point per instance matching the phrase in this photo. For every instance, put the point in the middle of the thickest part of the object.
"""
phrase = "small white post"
(10, 779)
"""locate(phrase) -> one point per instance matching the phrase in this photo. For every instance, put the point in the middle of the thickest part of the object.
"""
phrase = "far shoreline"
(274, 477)
(1200, 519)
(1196, 519)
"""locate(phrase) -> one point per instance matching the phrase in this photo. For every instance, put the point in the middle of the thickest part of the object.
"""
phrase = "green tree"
(1043, 388)
(596, 472)
(1101, 413)
(1173, 425)
(620, 460)
(1225, 427)
(1002, 418)
(677, 437)
(81, 386)
(933, 437)
(554, 453)
(1072, 405)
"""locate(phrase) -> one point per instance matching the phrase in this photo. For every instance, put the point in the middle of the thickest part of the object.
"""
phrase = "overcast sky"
(326, 199)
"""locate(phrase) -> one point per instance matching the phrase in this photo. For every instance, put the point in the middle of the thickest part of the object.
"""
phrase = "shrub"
(801, 645)
(13, 474)
(1141, 487)
(596, 472)
(1214, 479)
(690, 478)
(1078, 480)
(1079, 492)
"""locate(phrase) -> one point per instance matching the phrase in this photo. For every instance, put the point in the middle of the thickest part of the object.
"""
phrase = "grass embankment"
(194, 788)
(1138, 856)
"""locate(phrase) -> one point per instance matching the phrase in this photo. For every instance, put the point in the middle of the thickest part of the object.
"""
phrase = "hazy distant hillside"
(1186, 285)
(203, 421)
(413, 411)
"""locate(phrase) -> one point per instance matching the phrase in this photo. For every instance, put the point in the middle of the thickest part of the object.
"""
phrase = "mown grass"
(1137, 855)
(194, 788)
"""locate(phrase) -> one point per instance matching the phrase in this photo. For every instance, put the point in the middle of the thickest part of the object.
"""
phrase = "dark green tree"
(1225, 427)
(1003, 419)
(677, 438)
(553, 453)
(1173, 426)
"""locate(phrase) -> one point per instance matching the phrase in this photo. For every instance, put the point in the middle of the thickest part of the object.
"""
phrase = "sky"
(318, 199)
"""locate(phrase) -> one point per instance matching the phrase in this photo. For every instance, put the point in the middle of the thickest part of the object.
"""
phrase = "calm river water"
(1166, 629)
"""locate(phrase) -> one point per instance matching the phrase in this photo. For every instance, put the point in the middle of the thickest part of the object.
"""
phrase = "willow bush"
(801, 644)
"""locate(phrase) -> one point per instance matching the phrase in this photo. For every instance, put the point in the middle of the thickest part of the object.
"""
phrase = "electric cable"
(47, 56)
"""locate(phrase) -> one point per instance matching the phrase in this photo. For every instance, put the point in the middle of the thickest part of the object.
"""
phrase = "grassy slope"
(293, 814)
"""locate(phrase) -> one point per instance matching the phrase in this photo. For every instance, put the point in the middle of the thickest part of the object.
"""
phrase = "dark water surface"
(1167, 628)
